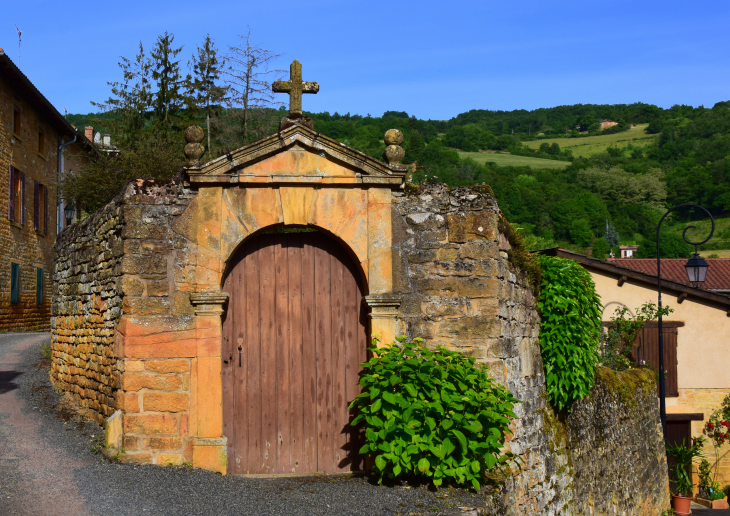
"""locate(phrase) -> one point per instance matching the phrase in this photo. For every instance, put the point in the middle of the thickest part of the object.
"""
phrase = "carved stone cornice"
(208, 303)
(383, 306)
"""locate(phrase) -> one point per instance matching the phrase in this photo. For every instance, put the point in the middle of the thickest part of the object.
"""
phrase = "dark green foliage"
(569, 331)
(611, 235)
(671, 245)
(435, 414)
(618, 339)
(681, 471)
(600, 248)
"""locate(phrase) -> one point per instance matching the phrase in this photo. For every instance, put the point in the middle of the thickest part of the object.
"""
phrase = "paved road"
(48, 467)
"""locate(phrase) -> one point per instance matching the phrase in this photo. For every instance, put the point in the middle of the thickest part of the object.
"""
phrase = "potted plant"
(680, 474)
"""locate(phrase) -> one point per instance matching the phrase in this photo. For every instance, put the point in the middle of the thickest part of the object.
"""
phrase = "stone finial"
(393, 153)
(295, 87)
(194, 149)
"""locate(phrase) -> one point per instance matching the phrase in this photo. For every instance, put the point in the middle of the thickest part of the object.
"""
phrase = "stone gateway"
(220, 319)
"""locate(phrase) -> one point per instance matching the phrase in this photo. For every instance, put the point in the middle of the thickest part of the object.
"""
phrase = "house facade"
(31, 130)
(696, 335)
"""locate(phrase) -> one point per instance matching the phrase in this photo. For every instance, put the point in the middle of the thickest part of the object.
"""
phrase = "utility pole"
(19, 33)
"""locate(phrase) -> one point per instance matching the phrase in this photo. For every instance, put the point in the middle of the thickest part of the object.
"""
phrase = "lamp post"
(696, 268)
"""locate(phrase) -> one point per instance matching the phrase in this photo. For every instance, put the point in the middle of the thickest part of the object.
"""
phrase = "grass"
(591, 145)
(508, 160)
(720, 238)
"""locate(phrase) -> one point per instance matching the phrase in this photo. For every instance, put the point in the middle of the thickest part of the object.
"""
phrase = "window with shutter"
(36, 205)
(38, 286)
(14, 283)
(11, 194)
(646, 351)
(21, 218)
(45, 210)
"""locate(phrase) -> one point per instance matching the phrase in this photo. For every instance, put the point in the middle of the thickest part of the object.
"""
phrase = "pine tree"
(611, 236)
(414, 147)
(203, 88)
(170, 98)
(130, 101)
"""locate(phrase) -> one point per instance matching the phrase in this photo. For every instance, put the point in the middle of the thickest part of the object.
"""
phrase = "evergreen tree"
(170, 98)
(130, 102)
(611, 236)
(203, 87)
(414, 147)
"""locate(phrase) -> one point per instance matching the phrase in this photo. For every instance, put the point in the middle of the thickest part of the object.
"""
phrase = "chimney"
(89, 133)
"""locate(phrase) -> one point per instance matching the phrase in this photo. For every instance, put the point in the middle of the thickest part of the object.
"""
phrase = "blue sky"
(431, 59)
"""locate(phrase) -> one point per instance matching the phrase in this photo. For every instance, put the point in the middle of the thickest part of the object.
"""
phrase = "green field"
(508, 160)
(591, 145)
(720, 238)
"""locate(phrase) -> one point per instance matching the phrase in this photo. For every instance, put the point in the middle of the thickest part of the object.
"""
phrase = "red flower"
(710, 426)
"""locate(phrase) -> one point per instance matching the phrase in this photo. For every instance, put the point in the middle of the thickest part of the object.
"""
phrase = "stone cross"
(295, 87)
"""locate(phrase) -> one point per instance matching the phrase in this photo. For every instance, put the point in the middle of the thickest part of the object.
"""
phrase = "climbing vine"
(569, 331)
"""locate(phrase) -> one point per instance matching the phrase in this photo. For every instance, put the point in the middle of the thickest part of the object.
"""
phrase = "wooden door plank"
(283, 357)
(267, 292)
(227, 372)
(352, 361)
(363, 342)
(309, 359)
(339, 403)
(322, 284)
(251, 360)
(296, 377)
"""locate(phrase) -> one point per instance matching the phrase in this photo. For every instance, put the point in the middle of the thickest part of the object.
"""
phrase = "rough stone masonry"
(455, 276)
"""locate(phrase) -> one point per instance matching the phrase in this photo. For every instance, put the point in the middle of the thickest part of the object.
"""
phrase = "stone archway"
(294, 334)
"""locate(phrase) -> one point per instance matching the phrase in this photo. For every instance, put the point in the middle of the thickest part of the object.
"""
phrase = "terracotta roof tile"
(718, 275)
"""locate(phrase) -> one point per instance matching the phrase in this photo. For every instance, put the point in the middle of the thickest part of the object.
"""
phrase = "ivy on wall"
(569, 331)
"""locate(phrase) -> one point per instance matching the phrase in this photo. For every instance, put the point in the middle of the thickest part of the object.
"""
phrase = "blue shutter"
(14, 283)
(38, 286)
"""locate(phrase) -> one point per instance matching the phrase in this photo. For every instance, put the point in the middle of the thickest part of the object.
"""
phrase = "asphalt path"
(50, 465)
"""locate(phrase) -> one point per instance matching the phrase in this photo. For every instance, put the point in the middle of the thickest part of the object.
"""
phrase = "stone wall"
(454, 268)
(615, 444)
(87, 305)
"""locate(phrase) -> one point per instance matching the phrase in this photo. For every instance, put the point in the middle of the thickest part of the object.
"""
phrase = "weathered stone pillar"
(206, 387)
(384, 317)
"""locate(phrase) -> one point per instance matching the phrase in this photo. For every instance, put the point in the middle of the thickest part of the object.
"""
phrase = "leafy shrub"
(569, 330)
(432, 413)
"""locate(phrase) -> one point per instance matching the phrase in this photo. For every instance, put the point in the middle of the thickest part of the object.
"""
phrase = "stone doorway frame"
(294, 178)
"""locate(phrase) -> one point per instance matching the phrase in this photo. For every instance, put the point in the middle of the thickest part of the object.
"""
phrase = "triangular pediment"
(297, 154)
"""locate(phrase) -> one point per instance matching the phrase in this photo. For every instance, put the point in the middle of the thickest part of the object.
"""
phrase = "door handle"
(240, 352)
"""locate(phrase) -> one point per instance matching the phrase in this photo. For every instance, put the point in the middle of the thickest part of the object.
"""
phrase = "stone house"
(695, 334)
(31, 131)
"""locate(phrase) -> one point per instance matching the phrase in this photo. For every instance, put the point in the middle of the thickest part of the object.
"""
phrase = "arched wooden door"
(294, 334)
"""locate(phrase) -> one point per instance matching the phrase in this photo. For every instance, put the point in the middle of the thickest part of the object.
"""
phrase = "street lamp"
(696, 268)
(68, 211)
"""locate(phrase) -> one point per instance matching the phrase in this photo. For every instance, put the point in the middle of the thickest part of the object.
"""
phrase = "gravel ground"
(49, 464)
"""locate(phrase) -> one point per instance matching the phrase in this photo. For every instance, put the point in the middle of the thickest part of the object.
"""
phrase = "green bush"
(432, 413)
(569, 331)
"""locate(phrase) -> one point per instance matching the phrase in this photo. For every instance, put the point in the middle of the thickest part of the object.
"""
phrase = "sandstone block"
(165, 402)
(132, 286)
(160, 382)
(164, 443)
(475, 225)
(444, 287)
(146, 306)
(157, 288)
(469, 328)
(167, 366)
(138, 264)
(422, 256)
(150, 424)
(479, 250)
(169, 459)
(478, 287)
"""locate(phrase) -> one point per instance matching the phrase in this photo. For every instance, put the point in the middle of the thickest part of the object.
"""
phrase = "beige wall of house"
(703, 344)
